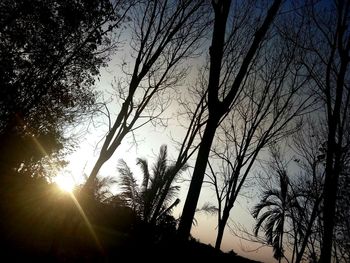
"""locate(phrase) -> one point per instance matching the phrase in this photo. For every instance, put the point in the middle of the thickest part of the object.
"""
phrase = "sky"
(82, 160)
(149, 140)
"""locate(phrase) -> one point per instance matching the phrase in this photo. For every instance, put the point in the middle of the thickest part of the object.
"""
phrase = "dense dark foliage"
(49, 56)
(34, 226)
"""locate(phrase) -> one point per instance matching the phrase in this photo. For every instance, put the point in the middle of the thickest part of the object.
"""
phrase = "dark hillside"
(40, 223)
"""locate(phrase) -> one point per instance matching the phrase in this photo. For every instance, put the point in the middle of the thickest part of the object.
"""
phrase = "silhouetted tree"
(195, 118)
(145, 199)
(51, 52)
(326, 42)
(342, 217)
(164, 34)
(102, 192)
(266, 111)
(303, 224)
(309, 158)
(275, 206)
(224, 84)
(342, 226)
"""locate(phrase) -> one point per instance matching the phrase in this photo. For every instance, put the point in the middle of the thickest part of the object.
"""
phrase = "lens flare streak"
(87, 222)
(80, 209)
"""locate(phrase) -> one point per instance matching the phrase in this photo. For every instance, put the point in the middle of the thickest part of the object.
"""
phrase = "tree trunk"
(89, 182)
(329, 203)
(221, 9)
(197, 179)
(281, 254)
(221, 227)
(313, 216)
(330, 194)
(334, 155)
(218, 108)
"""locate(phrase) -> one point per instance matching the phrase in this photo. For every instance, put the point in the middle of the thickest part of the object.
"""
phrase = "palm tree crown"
(276, 203)
(158, 182)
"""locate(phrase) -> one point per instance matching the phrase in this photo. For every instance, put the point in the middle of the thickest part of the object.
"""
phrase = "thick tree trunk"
(218, 108)
(334, 147)
(197, 180)
(330, 194)
(221, 9)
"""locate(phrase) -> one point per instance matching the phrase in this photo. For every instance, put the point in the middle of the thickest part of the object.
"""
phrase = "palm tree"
(147, 201)
(276, 204)
(130, 192)
(101, 188)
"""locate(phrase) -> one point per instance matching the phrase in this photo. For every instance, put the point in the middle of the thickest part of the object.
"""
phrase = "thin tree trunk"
(281, 255)
(308, 231)
(329, 205)
(221, 227)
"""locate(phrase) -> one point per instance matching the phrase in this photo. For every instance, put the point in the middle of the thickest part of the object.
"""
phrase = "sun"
(65, 183)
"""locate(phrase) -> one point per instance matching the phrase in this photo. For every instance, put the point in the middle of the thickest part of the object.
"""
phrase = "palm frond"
(260, 206)
(261, 220)
(173, 171)
(146, 175)
(102, 187)
(208, 208)
(128, 184)
(271, 194)
(278, 251)
(157, 189)
(171, 193)
(269, 230)
(168, 210)
(160, 166)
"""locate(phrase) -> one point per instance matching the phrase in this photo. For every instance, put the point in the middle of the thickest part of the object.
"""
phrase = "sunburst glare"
(65, 183)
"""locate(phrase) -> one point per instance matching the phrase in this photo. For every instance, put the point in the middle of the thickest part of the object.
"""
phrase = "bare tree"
(265, 113)
(189, 145)
(224, 84)
(164, 34)
(303, 225)
(304, 161)
(326, 40)
(307, 146)
(192, 116)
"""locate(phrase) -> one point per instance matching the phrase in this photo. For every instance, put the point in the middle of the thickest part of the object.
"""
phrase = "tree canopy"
(50, 54)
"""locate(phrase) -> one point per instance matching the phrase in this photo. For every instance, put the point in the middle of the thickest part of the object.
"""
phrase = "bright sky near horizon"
(82, 160)
(149, 140)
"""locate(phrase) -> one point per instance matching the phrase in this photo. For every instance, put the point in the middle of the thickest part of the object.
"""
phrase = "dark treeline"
(268, 111)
